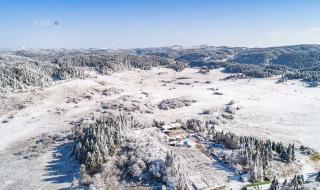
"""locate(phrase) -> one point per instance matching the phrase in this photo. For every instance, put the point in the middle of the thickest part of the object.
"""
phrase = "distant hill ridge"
(24, 68)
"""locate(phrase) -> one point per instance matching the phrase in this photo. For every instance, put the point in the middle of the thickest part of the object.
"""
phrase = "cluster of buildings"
(177, 137)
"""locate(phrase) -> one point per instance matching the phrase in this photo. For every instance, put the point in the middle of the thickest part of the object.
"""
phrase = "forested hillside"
(22, 69)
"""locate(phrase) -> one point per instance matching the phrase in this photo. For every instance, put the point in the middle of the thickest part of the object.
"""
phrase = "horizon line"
(154, 47)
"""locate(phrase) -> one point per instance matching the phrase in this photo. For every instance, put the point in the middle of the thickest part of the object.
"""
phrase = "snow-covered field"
(287, 112)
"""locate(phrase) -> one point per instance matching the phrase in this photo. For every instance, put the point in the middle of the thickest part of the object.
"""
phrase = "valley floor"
(287, 112)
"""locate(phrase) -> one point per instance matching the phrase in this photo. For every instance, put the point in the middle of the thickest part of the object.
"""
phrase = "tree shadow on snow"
(219, 165)
(63, 168)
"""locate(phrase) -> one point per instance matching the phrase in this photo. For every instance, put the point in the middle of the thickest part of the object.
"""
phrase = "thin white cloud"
(313, 30)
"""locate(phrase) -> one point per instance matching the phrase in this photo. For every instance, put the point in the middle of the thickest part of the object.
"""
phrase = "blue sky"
(145, 23)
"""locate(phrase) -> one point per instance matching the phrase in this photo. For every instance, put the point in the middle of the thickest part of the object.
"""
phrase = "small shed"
(170, 127)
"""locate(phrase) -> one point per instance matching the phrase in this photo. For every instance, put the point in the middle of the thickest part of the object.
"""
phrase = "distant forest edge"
(24, 69)
(291, 62)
